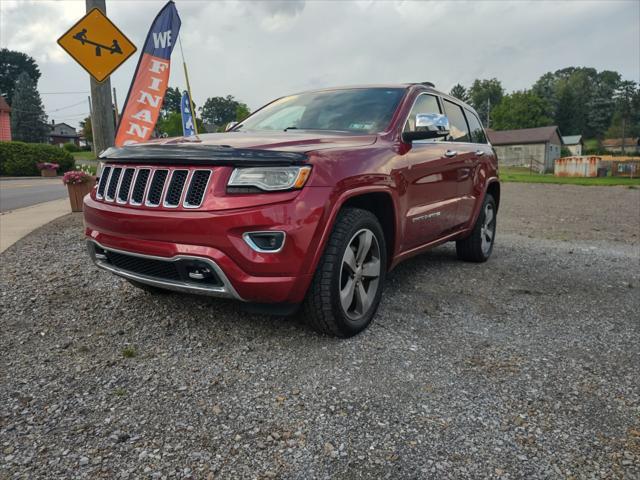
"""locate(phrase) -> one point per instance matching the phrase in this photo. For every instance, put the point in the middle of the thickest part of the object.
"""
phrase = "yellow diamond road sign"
(97, 45)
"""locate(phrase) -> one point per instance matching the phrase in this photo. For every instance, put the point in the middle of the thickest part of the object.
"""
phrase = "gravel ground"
(525, 367)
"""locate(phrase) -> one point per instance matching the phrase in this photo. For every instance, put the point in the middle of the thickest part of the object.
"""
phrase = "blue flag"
(188, 129)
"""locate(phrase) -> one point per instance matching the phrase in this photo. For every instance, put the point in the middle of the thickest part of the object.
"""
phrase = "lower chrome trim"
(225, 291)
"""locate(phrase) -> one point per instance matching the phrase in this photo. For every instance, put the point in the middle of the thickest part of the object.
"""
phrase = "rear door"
(462, 157)
(469, 184)
(431, 183)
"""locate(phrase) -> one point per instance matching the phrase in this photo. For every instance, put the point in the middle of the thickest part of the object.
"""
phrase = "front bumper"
(215, 237)
(221, 287)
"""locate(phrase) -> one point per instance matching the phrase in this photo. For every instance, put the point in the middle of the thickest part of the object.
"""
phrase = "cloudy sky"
(257, 51)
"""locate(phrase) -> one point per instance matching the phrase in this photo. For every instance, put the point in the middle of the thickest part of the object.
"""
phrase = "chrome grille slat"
(125, 185)
(139, 186)
(114, 180)
(198, 184)
(153, 186)
(174, 190)
(156, 187)
(104, 177)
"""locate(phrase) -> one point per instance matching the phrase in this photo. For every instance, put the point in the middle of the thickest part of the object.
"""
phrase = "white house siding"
(576, 150)
(531, 155)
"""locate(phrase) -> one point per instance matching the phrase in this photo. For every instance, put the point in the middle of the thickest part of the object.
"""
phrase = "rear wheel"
(477, 247)
(346, 290)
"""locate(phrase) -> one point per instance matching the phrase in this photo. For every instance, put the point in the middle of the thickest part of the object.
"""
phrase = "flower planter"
(48, 173)
(77, 192)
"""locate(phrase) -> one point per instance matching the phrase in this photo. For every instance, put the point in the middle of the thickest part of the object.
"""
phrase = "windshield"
(362, 110)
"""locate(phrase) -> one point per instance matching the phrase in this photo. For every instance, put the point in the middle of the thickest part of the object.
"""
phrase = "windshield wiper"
(290, 128)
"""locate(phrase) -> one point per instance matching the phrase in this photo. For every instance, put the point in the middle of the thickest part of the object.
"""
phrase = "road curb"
(18, 223)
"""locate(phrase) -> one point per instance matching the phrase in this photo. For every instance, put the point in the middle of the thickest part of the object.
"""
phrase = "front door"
(431, 175)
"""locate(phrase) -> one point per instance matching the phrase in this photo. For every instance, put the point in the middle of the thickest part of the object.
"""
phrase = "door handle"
(479, 152)
(450, 153)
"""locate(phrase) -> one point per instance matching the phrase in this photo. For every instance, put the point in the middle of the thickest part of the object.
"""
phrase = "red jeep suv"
(309, 201)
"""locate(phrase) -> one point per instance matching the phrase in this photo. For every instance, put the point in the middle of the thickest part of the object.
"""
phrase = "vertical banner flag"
(187, 118)
(144, 100)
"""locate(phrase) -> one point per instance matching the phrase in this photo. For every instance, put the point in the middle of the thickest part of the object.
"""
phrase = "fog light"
(265, 242)
(199, 273)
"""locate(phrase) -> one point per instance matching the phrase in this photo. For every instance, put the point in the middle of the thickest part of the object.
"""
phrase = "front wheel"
(477, 247)
(346, 289)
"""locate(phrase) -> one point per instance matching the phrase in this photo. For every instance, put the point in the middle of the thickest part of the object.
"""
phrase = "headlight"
(270, 178)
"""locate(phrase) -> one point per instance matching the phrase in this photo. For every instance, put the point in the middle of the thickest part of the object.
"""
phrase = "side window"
(423, 104)
(459, 131)
(477, 133)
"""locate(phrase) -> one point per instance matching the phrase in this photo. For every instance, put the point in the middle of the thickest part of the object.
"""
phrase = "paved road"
(23, 192)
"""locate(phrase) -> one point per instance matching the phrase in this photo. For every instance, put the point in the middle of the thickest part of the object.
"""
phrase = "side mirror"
(428, 125)
(230, 125)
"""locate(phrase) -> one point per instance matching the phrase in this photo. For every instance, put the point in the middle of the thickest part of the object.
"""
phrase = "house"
(631, 145)
(5, 120)
(574, 144)
(534, 148)
(62, 133)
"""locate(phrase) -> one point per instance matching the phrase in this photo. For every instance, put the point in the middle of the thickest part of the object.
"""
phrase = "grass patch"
(83, 156)
(522, 175)
(120, 392)
(129, 352)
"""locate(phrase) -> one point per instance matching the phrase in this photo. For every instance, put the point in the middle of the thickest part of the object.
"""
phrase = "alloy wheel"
(487, 231)
(360, 274)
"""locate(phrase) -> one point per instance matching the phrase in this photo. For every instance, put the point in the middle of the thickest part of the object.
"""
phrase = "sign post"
(100, 48)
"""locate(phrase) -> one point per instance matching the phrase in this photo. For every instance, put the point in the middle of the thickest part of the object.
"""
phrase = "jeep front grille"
(104, 177)
(195, 194)
(154, 187)
(125, 185)
(113, 184)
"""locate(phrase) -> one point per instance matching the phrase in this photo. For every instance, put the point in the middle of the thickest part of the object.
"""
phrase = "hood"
(302, 141)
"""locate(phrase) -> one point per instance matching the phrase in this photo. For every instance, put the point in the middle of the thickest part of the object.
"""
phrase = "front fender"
(335, 204)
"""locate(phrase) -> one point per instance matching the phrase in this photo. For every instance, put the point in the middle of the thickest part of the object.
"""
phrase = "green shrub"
(71, 147)
(20, 159)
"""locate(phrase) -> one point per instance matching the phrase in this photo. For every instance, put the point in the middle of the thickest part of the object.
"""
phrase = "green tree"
(170, 125)
(520, 110)
(626, 120)
(601, 106)
(485, 95)
(28, 120)
(580, 98)
(12, 64)
(171, 102)
(219, 111)
(87, 132)
(459, 92)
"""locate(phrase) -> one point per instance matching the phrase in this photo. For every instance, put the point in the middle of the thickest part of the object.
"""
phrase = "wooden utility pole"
(102, 114)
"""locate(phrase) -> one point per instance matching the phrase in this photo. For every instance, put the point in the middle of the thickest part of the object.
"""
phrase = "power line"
(63, 93)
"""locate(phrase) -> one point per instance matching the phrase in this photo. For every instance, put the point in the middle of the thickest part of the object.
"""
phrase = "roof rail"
(428, 84)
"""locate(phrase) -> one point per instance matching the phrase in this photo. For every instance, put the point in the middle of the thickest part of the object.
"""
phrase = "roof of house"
(572, 139)
(4, 106)
(617, 142)
(63, 130)
(524, 135)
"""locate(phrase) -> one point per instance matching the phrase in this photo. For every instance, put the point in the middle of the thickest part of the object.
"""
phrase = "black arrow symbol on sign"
(81, 36)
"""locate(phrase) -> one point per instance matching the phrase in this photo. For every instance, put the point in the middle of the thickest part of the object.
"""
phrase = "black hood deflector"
(168, 154)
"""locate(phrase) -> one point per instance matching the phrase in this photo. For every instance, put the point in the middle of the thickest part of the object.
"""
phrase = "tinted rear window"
(477, 133)
(459, 132)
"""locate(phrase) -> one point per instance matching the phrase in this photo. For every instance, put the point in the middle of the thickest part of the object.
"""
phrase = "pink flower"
(47, 166)
(75, 176)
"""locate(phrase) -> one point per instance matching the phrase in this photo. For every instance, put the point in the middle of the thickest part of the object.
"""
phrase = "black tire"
(323, 308)
(471, 248)
(149, 288)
